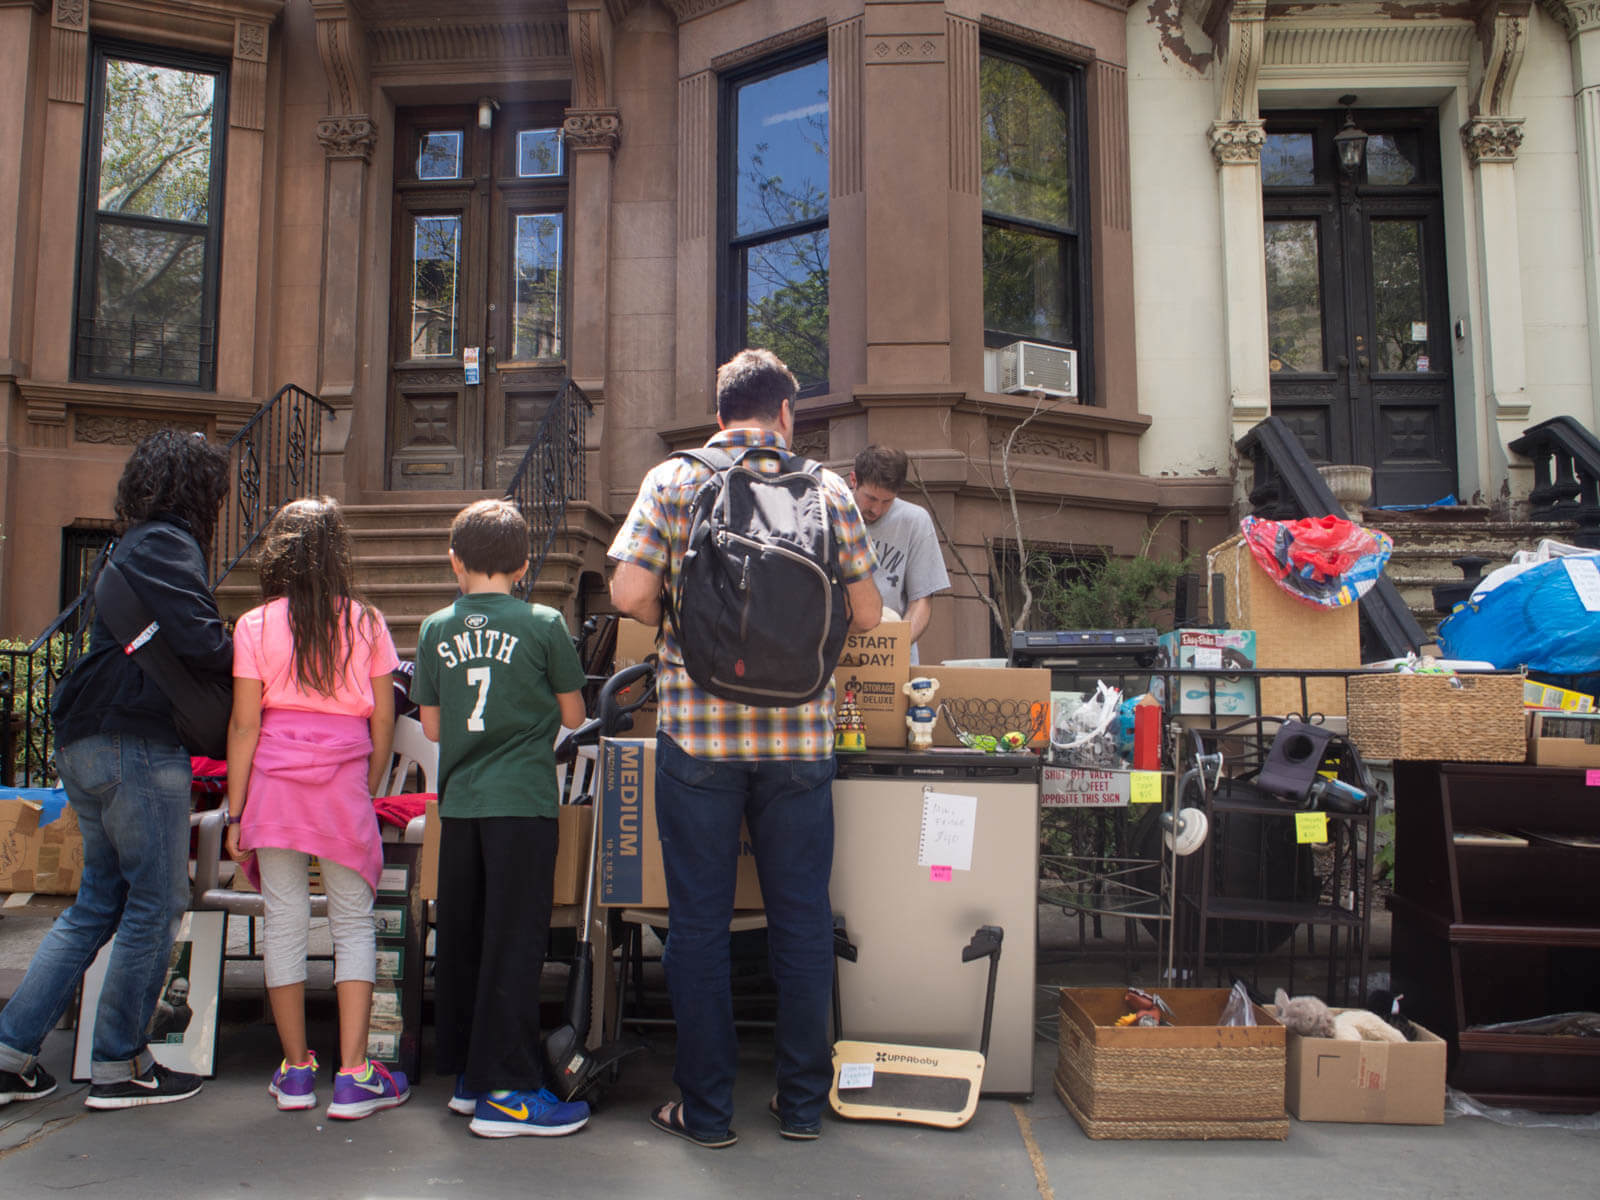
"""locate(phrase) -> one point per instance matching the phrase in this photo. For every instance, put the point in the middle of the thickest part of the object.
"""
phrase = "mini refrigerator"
(897, 814)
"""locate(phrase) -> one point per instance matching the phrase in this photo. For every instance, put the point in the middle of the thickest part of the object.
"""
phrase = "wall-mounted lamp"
(486, 108)
(1350, 142)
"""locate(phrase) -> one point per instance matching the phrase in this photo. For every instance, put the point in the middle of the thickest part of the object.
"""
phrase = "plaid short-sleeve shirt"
(654, 537)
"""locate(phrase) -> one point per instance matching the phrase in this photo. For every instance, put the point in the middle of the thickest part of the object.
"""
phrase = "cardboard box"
(41, 849)
(1545, 695)
(1192, 1079)
(636, 642)
(575, 828)
(1565, 739)
(1290, 634)
(874, 665)
(1213, 649)
(631, 874)
(1012, 697)
(1374, 1083)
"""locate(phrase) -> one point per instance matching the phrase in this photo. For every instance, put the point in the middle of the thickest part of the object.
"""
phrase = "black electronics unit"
(1058, 647)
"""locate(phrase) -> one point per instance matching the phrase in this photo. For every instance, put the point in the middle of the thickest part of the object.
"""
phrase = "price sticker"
(939, 874)
(1591, 778)
(1311, 827)
(1145, 787)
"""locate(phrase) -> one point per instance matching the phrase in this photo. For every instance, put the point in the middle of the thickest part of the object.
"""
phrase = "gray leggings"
(286, 890)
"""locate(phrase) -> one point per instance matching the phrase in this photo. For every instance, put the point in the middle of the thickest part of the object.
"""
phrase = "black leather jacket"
(107, 692)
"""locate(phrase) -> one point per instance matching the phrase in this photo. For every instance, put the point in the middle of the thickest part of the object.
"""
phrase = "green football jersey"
(493, 664)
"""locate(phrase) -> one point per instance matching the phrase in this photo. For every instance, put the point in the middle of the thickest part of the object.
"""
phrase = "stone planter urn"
(1351, 487)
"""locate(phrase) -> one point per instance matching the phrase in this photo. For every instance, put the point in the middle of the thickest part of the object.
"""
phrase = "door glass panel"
(786, 289)
(538, 153)
(782, 175)
(155, 143)
(147, 315)
(1394, 159)
(1288, 160)
(435, 270)
(536, 306)
(1025, 141)
(1399, 309)
(1024, 288)
(1294, 296)
(439, 155)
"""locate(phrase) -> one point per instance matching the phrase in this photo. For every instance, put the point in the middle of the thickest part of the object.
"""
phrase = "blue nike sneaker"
(537, 1114)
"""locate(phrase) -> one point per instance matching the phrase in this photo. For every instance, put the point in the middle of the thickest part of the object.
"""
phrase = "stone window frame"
(732, 306)
(100, 50)
(1080, 278)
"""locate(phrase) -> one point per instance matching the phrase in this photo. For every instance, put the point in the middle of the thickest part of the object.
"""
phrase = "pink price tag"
(1591, 778)
(942, 874)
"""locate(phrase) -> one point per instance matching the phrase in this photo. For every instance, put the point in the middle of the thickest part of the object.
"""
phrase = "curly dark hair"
(174, 472)
(305, 558)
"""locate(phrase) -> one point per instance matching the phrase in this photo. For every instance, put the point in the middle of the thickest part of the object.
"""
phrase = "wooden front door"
(1357, 311)
(479, 280)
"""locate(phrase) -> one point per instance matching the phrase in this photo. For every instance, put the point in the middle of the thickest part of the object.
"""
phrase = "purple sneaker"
(295, 1087)
(361, 1093)
(464, 1101)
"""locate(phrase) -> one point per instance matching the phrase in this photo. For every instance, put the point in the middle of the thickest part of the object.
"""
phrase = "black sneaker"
(33, 1084)
(158, 1085)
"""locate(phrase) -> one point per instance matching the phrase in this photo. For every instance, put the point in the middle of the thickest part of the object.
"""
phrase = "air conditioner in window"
(1024, 367)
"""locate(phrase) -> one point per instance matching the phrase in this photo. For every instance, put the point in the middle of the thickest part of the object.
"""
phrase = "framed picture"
(183, 1031)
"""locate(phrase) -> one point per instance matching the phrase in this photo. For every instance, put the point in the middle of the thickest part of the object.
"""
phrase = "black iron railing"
(1286, 487)
(1566, 475)
(273, 459)
(551, 474)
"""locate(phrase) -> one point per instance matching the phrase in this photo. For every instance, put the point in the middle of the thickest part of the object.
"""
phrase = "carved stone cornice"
(1064, 447)
(351, 136)
(1058, 46)
(592, 128)
(1574, 16)
(589, 32)
(687, 10)
(1503, 34)
(1492, 139)
(1237, 143)
(1240, 42)
(810, 31)
(512, 43)
(342, 45)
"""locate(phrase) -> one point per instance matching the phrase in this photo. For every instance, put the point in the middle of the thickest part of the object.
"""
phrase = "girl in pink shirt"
(308, 745)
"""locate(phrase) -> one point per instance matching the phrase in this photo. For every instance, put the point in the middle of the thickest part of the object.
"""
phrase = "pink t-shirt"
(263, 648)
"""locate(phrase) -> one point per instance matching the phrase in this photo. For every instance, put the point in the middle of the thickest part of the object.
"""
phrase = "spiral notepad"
(948, 825)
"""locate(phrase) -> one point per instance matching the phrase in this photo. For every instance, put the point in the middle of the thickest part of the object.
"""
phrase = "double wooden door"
(478, 341)
(1357, 312)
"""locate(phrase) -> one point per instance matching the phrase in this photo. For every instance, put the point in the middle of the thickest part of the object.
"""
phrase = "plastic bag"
(1540, 618)
(1088, 737)
(1326, 562)
(1238, 1010)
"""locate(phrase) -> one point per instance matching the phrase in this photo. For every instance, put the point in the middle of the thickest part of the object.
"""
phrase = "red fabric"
(201, 767)
(400, 811)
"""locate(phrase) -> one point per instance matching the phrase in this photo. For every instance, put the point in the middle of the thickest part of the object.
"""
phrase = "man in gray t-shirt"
(910, 562)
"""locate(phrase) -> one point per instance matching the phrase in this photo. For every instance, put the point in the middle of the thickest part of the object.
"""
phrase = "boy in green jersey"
(496, 677)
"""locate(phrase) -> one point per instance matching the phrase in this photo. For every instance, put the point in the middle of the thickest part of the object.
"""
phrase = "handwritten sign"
(949, 823)
(939, 874)
(855, 1075)
(1311, 827)
(1145, 787)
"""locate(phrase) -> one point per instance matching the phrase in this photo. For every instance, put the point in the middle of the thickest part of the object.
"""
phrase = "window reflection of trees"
(1397, 299)
(436, 252)
(1294, 296)
(536, 321)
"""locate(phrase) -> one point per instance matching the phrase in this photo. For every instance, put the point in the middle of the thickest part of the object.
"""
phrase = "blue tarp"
(1536, 620)
(52, 800)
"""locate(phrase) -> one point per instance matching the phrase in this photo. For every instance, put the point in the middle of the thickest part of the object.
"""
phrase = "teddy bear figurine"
(921, 713)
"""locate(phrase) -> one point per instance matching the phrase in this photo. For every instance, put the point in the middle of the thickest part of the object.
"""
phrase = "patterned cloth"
(654, 537)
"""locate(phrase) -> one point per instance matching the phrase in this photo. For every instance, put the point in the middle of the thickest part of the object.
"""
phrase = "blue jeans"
(132, 800)
(788, 805)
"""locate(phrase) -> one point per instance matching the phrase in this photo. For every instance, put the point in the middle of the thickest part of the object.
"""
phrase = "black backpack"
(757, 605)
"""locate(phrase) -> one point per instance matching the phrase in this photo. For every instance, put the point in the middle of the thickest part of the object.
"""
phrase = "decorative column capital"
(348, 136)
(1237, 143)
(1492, 139)
(1574, 16)
(593, 129)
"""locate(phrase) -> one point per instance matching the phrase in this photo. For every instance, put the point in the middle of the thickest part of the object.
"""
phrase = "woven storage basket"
(1192, 1080)
(1459, 718)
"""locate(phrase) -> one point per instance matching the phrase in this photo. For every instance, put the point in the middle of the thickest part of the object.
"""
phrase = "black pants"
(495, 883)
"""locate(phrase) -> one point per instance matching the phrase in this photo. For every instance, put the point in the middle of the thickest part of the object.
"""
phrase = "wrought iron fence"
(551, 474)
(274, 459)
(1566, 475)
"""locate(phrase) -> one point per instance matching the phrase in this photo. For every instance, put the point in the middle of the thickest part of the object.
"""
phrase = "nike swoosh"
(519, 1113)
(152, 1084)
(29, 1080)
(375, 1087)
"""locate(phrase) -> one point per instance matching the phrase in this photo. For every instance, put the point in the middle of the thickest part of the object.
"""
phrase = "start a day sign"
(1073, 787)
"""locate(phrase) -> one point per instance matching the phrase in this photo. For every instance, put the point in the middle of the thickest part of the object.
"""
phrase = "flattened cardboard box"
(1564, 739)
(1020, 692)
(1374, 1083)
(631, 873)
(38, 855)
(575, 829)
(636, 642)
(875, 665)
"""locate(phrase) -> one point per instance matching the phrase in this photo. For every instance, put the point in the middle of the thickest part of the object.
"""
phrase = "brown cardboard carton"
(631, 874)
(636, 642)
(1014, 697)
(429, 868)
(1290, 634)
(1564, 739)
(575, 828)
(874, 665)
(1377, 1083)
(38, 858)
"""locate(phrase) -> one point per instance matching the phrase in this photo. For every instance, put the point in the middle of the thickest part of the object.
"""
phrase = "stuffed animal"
(1359, 1025)
(1305, 1015)
(1387, 1005)
(921, 714)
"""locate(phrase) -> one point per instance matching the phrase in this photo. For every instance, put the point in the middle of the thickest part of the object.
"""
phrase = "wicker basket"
(1194, 1079)
(1459, 718)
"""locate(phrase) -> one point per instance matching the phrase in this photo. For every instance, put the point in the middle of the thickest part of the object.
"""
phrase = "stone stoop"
(402, 565)
(1427, 542)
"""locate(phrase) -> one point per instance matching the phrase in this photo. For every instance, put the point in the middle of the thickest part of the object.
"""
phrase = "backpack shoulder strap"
(710, 457)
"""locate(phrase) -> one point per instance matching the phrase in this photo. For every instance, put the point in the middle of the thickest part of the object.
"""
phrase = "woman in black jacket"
(127, 776)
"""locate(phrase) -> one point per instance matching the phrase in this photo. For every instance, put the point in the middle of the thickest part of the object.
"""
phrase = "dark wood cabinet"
(1488, 930)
